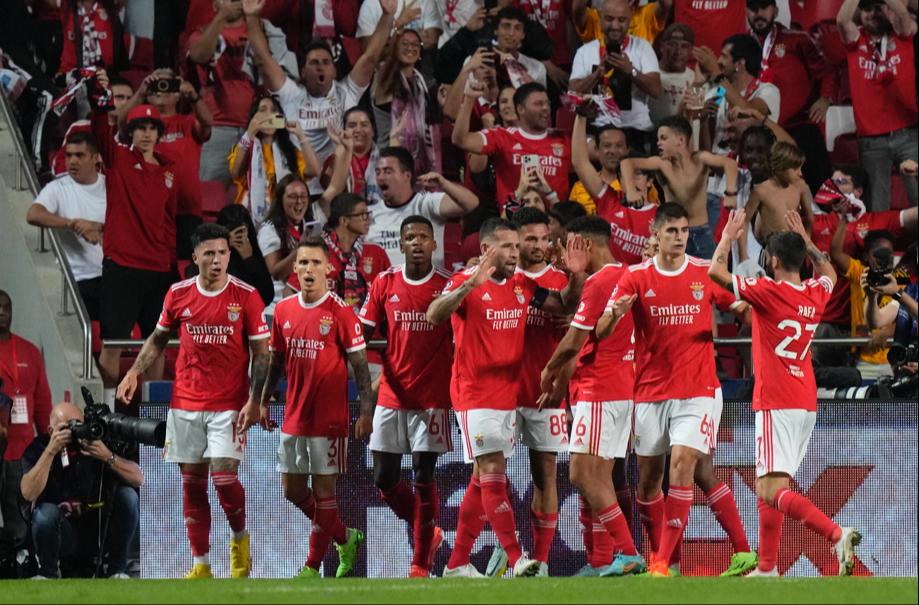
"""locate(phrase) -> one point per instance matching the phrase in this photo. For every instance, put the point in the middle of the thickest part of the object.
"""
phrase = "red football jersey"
(541, 336)
(180, 143)
(711, 20)
(606, 368)
(230, 91)
(675, 351)
(212, 372)
(630, 228)
(509, 146)
(419, 355)
(372, 262)
(488, 330)
(315, 339)
(882, 77)
(785, 317)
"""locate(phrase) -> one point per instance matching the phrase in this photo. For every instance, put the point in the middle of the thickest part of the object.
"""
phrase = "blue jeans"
(713, 208)
(701, 242)
(56, 535)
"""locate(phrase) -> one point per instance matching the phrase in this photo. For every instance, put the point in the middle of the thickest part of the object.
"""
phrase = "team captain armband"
(539, 298)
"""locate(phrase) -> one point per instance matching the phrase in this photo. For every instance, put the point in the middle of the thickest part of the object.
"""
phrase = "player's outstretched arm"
(566, 302)
(718, 270)
(153, 347)
(364, 425)
(615, 310)
(822, 265)
(442, 307)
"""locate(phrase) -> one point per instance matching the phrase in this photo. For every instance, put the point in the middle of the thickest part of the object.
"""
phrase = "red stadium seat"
(816, 11)
(214, 196)
(898, 197)
(564, 120)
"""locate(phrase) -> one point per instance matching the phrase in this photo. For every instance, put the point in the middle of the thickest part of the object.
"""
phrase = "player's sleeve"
(350, 332)
(493, 140)
(820, 290)
(168, 320)
(277, 342)
(592, 305)
(256, 326)
(746, 289)
(373, 306)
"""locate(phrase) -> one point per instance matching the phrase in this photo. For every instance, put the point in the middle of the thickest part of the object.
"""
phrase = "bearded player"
(313, 334)
(221, 326)
(411, 416)
(786, 313)
(488, 305)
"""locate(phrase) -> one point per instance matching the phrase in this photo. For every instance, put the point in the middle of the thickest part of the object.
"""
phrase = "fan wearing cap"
(793, 62)
(139, 242)
(674, 52)
(882, 76)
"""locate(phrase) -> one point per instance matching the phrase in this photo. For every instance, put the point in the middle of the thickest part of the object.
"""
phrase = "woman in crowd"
(257, 168)
(361, 177)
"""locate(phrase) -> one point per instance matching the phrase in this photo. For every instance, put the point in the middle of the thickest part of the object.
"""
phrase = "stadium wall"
(860, 469)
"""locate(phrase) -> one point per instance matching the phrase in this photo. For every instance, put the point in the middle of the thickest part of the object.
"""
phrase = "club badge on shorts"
(519, 292)
(480, 440)
(325, 325)
(698, 290)
(233, 311)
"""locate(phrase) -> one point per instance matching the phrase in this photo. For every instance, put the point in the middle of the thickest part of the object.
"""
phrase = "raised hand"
(486, 267)
(389, 6)
(410, 12)
(735, 225)
(431, 179)
(576, 259)
(794, 223)
(253, 8)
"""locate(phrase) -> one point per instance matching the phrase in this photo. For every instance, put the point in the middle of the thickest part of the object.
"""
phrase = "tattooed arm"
(153, 347)
(364, 425)
(253, 413)
(822, 265)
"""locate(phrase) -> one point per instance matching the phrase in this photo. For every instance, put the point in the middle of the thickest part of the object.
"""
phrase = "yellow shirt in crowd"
(268, 160)
(580, 195)
(859, 319)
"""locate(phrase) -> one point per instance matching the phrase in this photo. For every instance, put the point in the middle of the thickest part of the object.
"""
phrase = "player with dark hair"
(221, 326)
(411, 416)
(542, 429)
(677, 394)
(786, 312)
(602, 382)
(312, 335)
(487, 305)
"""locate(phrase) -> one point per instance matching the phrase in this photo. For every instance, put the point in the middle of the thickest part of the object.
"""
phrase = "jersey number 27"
(782, 348)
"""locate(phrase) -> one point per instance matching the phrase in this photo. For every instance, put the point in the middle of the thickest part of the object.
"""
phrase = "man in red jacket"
(792, 61)
(25, 409)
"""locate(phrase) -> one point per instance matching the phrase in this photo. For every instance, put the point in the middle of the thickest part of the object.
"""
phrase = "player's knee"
(579, 472)
(423, 467)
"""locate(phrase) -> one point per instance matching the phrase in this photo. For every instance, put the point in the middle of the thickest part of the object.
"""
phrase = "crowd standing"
(462, 178)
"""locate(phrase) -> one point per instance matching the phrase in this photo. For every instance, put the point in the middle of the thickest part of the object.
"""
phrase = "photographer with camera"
(73, 483)
(901, 312)
(25, 405)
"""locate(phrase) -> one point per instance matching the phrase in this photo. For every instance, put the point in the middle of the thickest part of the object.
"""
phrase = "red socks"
(721, 501)
(401, 500)
(624, 498)
(799, 507)
(469, 525)
(770, 535)
(319, 540)
(500, 514)
(614, 522)
(327, 518)
(544, 525)
(585, 518)
(604, 547)
(676, 514)
(426, 504)
(197, 512)
(652, 519)
(232, 498)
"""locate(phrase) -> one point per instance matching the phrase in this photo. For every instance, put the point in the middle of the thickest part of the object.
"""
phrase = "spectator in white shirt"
(75, 203)
(419, 15)
(396, 180)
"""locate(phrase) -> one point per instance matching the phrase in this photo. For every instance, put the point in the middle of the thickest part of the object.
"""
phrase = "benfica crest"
(558, 149)
(169, 178)
(779, 50)
(698, 290)
(325, 325)
(519, 292)
(233, 311)
(368, 264)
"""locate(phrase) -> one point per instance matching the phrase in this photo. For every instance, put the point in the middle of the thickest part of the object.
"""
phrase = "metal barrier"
(69, 292)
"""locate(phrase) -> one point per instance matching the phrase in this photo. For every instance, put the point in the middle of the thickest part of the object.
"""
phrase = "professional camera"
(164, 85)
(903, 383)
(883, 259)
(99, 423)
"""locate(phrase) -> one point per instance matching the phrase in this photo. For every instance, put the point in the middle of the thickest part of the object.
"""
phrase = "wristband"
(730, 194)
(111, 461)
(246, 141)
(897, 296)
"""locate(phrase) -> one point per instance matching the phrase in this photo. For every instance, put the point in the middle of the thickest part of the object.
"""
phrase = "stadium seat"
(564, 120)
(214, 196)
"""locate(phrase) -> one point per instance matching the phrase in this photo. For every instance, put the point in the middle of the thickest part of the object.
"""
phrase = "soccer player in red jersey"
(677, 393)
(602, 389)
(543, 430)
(488, 305)
(411, 416)
(786, 312)
(531, 143)
(312, 335)
(221, 326)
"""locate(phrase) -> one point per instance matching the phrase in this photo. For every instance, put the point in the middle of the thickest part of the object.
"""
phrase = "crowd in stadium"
(547, 208)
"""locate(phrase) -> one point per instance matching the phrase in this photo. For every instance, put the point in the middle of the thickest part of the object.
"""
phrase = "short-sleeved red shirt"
(541, 336)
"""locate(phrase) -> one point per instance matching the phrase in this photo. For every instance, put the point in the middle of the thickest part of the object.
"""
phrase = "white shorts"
(543, 430)
(601, 428)
(407, 431)
(299, 455)
(687, 422)
(487, 432)
(782, 437)
(193, 437)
